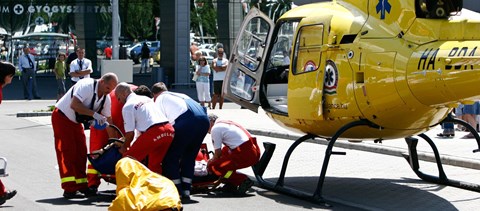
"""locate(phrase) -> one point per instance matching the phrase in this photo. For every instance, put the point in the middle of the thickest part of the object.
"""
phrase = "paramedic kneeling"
(240, 151)
(141, 113)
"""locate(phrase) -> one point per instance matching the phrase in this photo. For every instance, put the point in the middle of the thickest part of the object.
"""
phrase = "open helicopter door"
(242, 80)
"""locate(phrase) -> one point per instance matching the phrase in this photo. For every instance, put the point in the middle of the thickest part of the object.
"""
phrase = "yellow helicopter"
(358, 69)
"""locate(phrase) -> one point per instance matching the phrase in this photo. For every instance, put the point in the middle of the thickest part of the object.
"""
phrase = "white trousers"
(203, 91)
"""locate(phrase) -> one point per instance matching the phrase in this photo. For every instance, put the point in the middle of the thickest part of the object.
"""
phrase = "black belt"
(61, 112)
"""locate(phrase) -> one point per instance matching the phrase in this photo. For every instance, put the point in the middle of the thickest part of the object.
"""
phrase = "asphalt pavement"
(456, 152)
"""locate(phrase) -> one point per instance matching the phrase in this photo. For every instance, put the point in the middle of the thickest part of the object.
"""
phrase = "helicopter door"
(242, 79)
(305, 86)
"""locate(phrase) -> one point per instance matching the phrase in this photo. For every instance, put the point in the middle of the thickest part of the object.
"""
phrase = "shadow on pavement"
(383, 194)
(101, 200)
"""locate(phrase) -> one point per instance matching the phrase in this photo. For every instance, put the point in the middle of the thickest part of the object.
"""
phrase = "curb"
(33, 114)
(386, 150)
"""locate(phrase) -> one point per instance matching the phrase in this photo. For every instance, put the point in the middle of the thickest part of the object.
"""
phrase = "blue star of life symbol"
(382, 6)
(329, 80)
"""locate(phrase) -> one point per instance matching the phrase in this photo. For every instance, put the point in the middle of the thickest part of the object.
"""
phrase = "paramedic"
(190, 121)
(88, 98)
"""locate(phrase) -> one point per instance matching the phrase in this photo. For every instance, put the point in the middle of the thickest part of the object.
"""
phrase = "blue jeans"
(447, 125)
(144, 66)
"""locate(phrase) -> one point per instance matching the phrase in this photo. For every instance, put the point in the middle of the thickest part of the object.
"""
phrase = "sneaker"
(468, 136)
(228, 188)
(185, 199)
(8, 195)
(90, 191)
(245, 186)
(73, 195)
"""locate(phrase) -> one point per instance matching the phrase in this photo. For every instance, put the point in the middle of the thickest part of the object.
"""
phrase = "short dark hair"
(6, 69)
(159, 87)
(143, 90)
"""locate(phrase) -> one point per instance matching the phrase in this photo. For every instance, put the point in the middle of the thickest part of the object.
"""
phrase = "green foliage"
(141, 22)
(274, 9)
(206, 15)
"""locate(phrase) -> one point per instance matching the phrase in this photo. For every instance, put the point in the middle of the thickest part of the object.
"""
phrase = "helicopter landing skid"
(442, 179)
(260, 167)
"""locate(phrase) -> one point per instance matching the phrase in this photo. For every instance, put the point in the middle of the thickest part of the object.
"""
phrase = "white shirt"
(219, 76)
(140, 112)
(227, 134)
(75, 66)
(83, 90)
(172, 105)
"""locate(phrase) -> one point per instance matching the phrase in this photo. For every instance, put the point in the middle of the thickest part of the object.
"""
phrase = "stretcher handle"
(3, 169)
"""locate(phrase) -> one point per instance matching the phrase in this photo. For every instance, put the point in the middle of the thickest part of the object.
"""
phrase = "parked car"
(136, 52)
(132, 46)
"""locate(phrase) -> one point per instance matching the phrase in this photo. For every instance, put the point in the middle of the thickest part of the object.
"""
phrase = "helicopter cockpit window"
(437, 9)
(282, 45)
(252, 43)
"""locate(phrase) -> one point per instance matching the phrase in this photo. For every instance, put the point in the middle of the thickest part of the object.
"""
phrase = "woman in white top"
(203, 81)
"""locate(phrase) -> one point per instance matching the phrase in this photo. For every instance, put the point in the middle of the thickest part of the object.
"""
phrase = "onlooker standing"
(81, 67)
(7, 71)
(219, 66)
(26, 63)
(145, 55)
(108, 52)
(470, 113)
(203, 82)
(60, 75)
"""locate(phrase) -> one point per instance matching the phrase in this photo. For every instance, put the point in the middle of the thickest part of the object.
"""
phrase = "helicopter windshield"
(437, 9)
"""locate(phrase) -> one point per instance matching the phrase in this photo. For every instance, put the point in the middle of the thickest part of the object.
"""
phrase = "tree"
(141, 22)
(204, 14)
(273, 8)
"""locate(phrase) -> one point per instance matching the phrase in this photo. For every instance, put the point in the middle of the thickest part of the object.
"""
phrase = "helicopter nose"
(445, 72)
